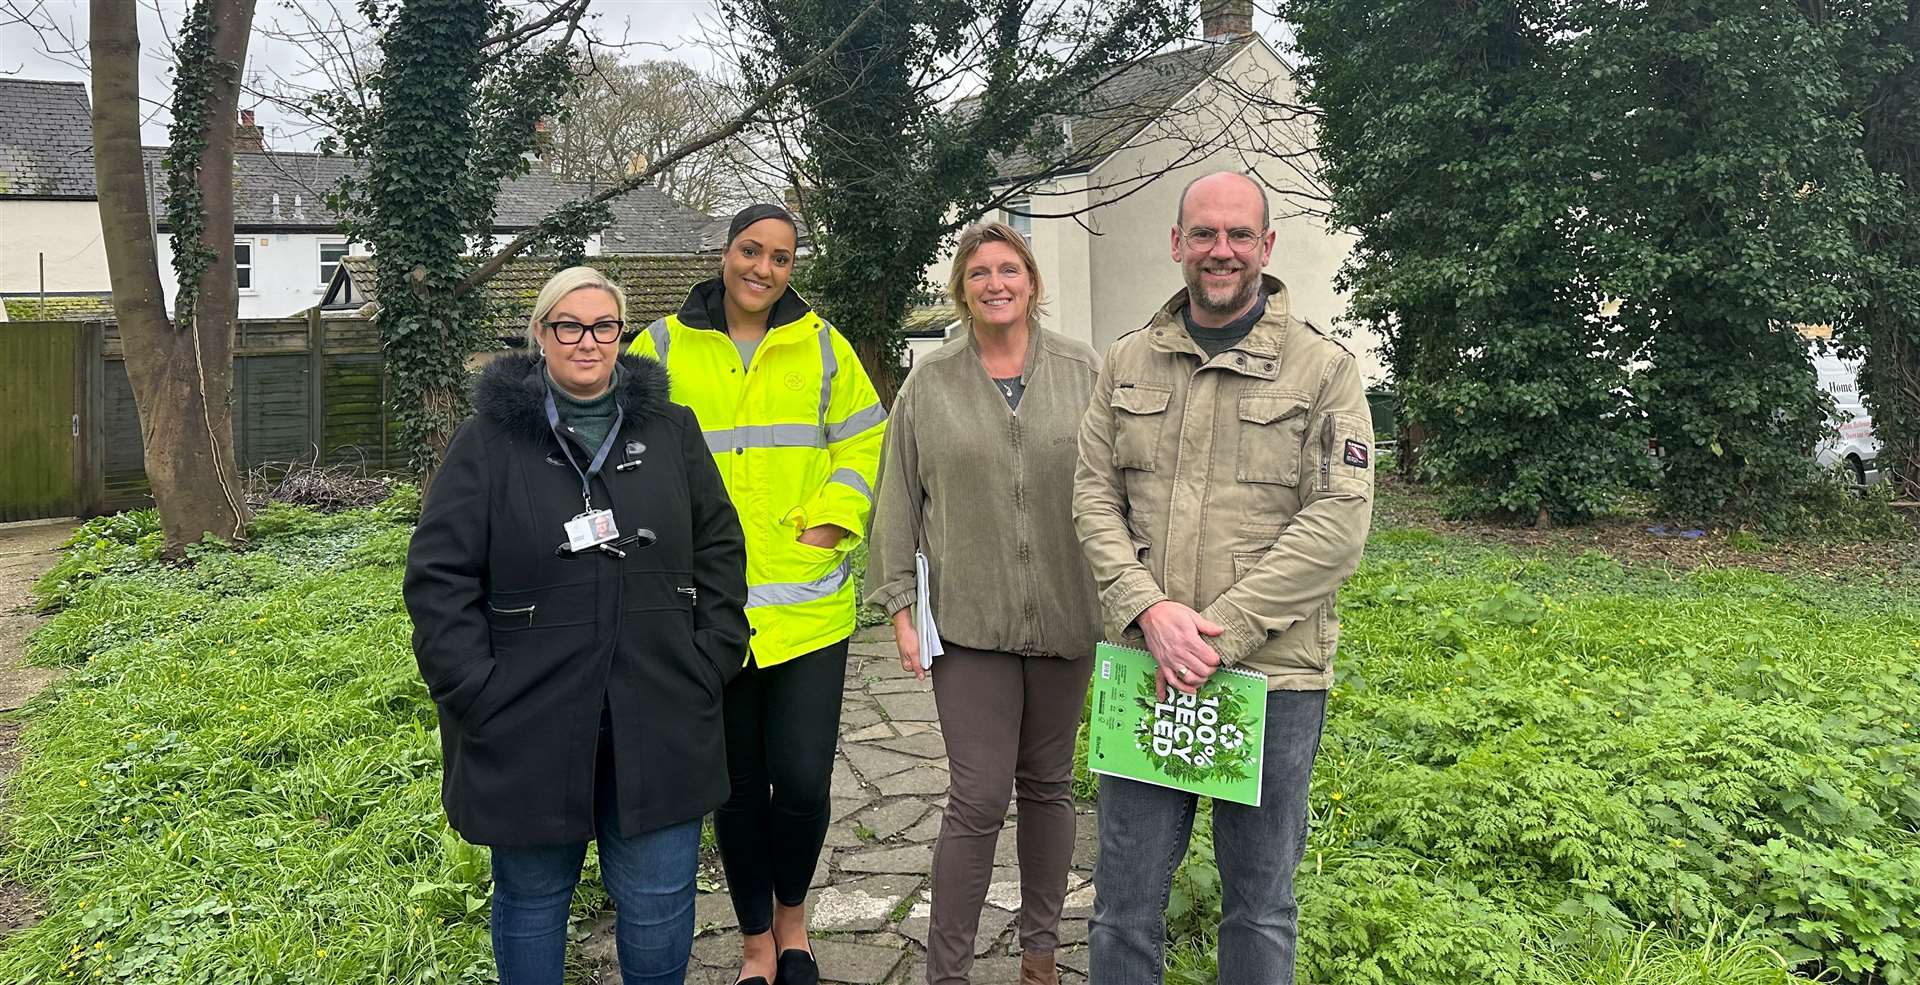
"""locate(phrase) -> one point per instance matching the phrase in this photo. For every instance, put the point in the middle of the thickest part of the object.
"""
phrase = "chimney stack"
(248, 136)
(1223, 21)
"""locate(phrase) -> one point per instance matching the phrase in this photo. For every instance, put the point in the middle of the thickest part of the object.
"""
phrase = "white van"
(1850, 442)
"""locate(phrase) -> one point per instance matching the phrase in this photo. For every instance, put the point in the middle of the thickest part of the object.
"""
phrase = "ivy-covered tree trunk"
(199, 166)
(459, 91)
(420, 210)
(872, 249)
(181, 371)
(1889, 324)
(1413, 337)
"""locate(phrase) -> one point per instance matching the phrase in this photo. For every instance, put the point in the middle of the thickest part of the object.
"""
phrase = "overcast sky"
(664, 27)
(653, 28)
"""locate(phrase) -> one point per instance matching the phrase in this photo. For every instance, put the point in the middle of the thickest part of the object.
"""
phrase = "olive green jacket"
(987, 493)
(1240, 485)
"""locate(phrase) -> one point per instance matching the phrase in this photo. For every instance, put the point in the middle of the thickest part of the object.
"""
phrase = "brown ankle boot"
(1036, 968)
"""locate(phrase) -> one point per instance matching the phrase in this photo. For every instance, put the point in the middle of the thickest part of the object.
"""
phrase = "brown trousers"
(1009, 723)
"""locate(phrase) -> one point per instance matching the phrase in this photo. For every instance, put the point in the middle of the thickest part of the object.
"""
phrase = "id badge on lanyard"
(590, 528)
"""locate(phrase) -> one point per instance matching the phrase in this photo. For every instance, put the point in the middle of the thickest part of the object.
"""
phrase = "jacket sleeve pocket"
(1140, 414)
(1347, 450)
(1273, 428)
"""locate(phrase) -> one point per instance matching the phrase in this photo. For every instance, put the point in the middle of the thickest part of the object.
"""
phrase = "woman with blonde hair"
(985, 491)
(577, 584)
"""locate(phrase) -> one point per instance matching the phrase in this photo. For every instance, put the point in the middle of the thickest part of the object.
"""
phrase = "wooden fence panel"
(272, 423)
(356, 412)
(37, 422)
(301, 386)
(124, 463)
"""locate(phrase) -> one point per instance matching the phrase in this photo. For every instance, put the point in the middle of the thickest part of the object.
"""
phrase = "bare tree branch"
(493, 264)
(568, 11)
(59, 43)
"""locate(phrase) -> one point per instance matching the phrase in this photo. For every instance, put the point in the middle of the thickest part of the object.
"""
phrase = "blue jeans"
(1143, 836)
(651, 879)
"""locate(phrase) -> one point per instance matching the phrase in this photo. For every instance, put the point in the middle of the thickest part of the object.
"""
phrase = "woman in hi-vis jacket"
(795, 427)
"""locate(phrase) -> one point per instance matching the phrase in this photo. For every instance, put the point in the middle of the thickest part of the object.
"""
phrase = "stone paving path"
(869, 907)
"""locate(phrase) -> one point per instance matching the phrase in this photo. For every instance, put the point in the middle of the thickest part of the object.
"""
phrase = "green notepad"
(1208, 744)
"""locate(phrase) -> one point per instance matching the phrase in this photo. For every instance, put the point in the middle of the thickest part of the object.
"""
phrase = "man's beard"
(1241, 295)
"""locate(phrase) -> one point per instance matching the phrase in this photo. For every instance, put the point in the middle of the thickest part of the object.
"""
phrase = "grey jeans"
(1143, 836)
(1009, 723)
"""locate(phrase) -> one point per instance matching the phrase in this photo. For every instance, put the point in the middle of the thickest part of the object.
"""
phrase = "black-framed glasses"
(571, 332)
(1241, 239)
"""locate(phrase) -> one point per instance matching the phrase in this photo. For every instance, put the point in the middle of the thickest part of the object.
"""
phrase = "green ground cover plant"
(239, 781)
(1539, 769)
(1553, 769)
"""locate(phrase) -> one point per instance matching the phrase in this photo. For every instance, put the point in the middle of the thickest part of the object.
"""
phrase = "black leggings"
(783, 723)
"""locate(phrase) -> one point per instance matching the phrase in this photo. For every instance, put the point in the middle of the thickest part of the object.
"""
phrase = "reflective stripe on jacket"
(797, 438)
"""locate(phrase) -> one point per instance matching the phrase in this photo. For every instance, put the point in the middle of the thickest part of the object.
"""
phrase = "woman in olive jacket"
(579, 687)
(979, 476)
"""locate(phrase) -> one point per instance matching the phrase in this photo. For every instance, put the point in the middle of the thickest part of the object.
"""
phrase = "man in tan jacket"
(1224, 491)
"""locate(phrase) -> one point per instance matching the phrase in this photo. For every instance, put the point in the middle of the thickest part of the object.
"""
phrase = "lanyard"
(599, 457)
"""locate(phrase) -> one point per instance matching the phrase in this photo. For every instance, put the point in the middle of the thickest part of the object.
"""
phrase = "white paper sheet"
(923, 614)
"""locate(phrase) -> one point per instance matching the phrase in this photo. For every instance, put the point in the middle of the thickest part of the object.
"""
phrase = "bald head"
(1221, 241)
(1226, 188)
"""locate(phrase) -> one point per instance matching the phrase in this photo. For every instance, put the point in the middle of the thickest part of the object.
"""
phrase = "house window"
(243, 266)
(1016, 212)
(330, 255)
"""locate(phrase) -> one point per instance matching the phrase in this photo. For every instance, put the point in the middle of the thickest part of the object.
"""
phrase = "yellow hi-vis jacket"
(797, 436)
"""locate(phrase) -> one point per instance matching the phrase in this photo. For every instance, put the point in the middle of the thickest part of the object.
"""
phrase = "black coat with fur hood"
(521, 645)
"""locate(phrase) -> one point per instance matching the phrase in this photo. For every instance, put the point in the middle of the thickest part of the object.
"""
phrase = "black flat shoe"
(796, 967)
(755, 980)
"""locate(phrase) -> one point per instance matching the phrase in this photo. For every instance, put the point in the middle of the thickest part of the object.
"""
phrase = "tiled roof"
(65, 307)
(1118, 108)
(46, 140)
(645, 220)
(46, 151)
(655, 285)
(929, 321)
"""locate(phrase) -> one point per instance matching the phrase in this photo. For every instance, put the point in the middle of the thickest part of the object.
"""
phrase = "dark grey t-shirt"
(1214, 341)
(1011, 388)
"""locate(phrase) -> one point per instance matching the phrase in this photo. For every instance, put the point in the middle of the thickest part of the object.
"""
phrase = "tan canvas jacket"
(1241, 486)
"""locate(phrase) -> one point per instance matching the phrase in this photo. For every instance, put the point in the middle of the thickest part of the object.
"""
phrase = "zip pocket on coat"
(1326, 453)
(657, 591)
(521, 610)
